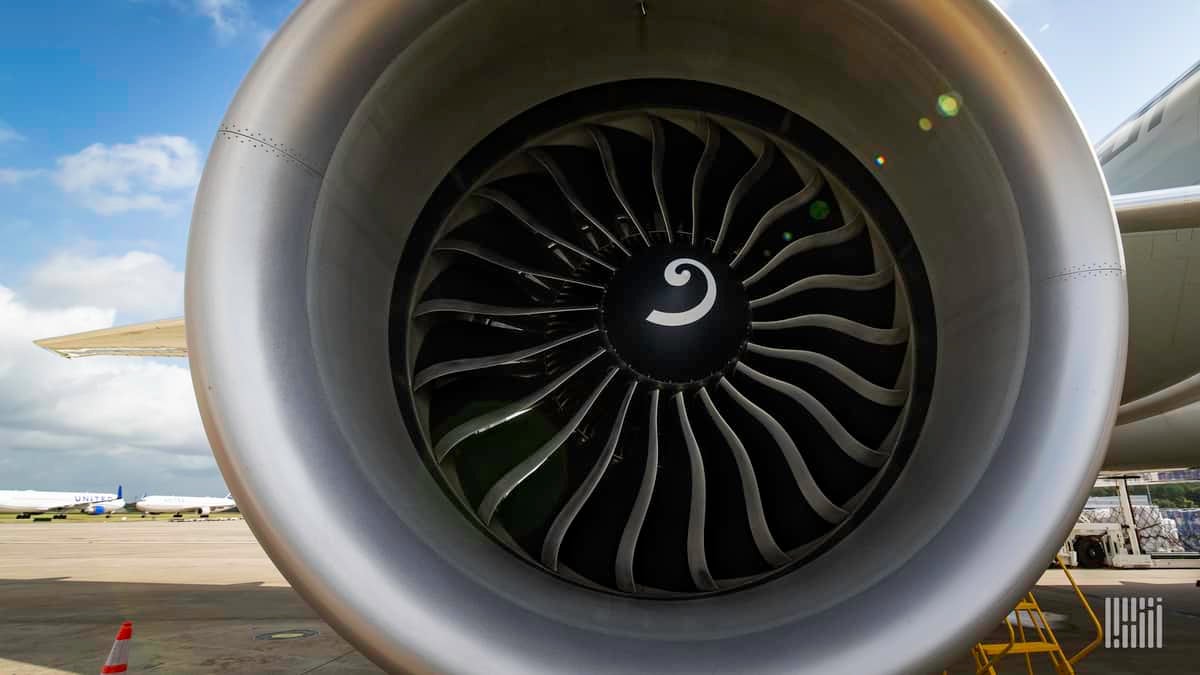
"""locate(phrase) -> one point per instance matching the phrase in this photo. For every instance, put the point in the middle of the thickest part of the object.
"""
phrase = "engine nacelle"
(204, 511)
(454, 262)
(106, 507)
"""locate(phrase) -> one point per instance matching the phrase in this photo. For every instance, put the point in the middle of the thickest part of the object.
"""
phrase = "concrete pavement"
(199, 592)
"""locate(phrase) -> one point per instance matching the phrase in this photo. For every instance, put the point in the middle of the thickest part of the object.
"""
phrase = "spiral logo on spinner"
(677, 277)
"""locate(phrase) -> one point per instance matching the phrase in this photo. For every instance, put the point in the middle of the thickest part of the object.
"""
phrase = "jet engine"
(664, 336)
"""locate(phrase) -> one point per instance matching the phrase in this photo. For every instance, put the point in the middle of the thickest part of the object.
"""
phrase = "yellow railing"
(987, 655)
(983, 665)
(1091, 646)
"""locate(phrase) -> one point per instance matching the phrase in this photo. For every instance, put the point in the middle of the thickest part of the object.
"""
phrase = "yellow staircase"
(988, 654)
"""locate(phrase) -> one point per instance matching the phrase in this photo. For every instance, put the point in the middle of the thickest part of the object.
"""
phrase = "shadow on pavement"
(53, 624)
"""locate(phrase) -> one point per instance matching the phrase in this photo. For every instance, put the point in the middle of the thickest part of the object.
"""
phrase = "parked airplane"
(474, 289)
(106, 508)
(180, 505)
(25, 503)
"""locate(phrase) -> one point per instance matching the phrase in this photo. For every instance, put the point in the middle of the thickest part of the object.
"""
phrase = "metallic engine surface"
(356, 111)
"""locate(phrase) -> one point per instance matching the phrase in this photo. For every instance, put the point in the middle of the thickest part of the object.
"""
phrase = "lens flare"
(880, 160)
(925, 123)
(948, 105)
(788, 236)
(819, 210)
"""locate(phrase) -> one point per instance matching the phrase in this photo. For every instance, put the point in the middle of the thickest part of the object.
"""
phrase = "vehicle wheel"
(1089, 551)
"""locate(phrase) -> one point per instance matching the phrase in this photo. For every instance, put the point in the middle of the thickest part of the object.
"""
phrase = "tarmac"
(201, 594)
(198, 594)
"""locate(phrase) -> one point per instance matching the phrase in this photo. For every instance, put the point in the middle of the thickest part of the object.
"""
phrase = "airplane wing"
(1182, 393)
(154, 338)
(1158, 210)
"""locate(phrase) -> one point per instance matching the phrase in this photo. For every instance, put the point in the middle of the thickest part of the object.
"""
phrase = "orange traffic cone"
(118, 658)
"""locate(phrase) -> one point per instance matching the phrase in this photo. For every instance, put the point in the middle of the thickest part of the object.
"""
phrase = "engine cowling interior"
(370, 134)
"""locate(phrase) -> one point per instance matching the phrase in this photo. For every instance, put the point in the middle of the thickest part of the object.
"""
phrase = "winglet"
(154, 338)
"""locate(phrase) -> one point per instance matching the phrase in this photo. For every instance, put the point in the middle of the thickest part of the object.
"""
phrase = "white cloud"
(1045, 27)
(8, 134)
(146, 175)
(15, 176)
(137, 283)
(229, 17)
(86, 423)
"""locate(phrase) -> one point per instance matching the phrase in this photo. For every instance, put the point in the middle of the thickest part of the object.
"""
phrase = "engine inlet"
(656, 345)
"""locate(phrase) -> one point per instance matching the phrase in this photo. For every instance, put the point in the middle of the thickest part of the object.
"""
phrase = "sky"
(107, 111)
